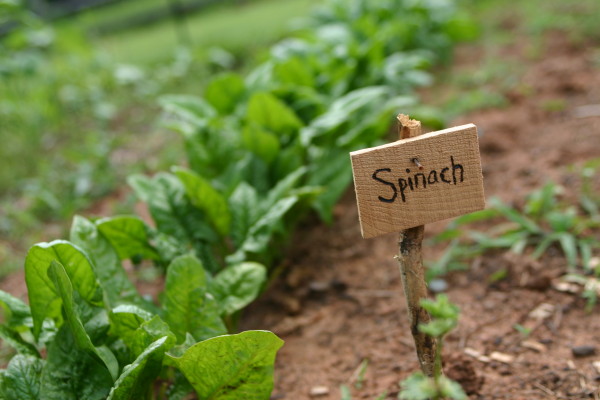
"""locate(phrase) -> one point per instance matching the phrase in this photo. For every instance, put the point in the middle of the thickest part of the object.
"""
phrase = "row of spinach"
(263, 151)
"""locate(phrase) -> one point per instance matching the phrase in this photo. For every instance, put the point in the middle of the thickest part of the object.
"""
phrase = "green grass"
(242, 29)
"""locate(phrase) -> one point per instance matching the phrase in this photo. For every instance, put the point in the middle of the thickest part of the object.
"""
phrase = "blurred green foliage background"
(79, 88)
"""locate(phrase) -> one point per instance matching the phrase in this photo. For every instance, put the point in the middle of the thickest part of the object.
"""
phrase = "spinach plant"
(101, 339)
(263, 151)
(420, 387)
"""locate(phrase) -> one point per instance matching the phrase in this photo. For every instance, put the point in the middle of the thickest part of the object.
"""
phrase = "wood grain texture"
(449, 184)
(410, 261)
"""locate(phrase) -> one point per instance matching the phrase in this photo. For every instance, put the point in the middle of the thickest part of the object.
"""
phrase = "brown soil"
(341, 300)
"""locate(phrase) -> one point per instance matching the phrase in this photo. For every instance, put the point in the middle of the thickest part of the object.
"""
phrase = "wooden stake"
(413, 276)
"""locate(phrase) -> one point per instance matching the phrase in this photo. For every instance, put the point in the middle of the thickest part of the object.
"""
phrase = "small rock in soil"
(317, 391)
(438, 285)
(319, 286)
(502, 357)
(583, 351)
(596, 365)
(533, 345)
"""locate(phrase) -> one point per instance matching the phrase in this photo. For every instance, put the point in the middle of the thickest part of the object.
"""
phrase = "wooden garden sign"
(418, 180)
(403, 185)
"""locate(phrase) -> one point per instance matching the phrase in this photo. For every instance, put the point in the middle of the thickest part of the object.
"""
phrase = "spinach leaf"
(232, 367)
(128, 235)
(238, 285)
(224, 92)
(243, 204)
(110, 272)
(133, 382)
(203, 196)
(17, 314)
(21, 379)
(188, 305)
(267, 111)
(170, 208)
(261, 142)
(44, 299)
(71, 373)
(63, 286)
(14, 339)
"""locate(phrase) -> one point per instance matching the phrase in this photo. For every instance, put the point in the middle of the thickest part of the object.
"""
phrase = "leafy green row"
(103, 340)
(262, 152)
(265, 149)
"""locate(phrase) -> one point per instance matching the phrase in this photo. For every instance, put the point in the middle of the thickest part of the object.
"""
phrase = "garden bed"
(341, 301)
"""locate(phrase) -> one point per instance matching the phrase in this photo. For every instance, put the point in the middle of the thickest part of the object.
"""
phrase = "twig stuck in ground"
(410, 260)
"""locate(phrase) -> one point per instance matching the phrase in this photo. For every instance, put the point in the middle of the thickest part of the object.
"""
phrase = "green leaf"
(515, 216)
(238, 285)
(585, 249)
(14, 339)
(232, 367)
(261, 142)
(332, 171)
(204, 196)
(282, 190)
(71, 373)
(148, 332)
(136, 380)
(272, 114)
(44, 299)
(562, 221)
(128, 235)
(190, 109)
(568, 243)
(108, 268)
(476, 216)
(126, 319)
(21, 379)
(62, 283)
(16, 312)
(589, 205)
(188, 305)
(417, 387)
(437, 328)
(541, 201)
(260, 233)
(138, 328)
(243, 204)
(296, 72)
(170, 208)
(441, 307)
(543, 245)
(345, 393)
(451, 389)
(462, 28)
(181, 388)
(339, 112)
(507, 240)
(224, 92)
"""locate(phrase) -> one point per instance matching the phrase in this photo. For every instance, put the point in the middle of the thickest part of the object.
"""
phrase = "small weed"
(360, 379)
(420, 387)
(554, 105)
(523, 331)
(543, 222)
